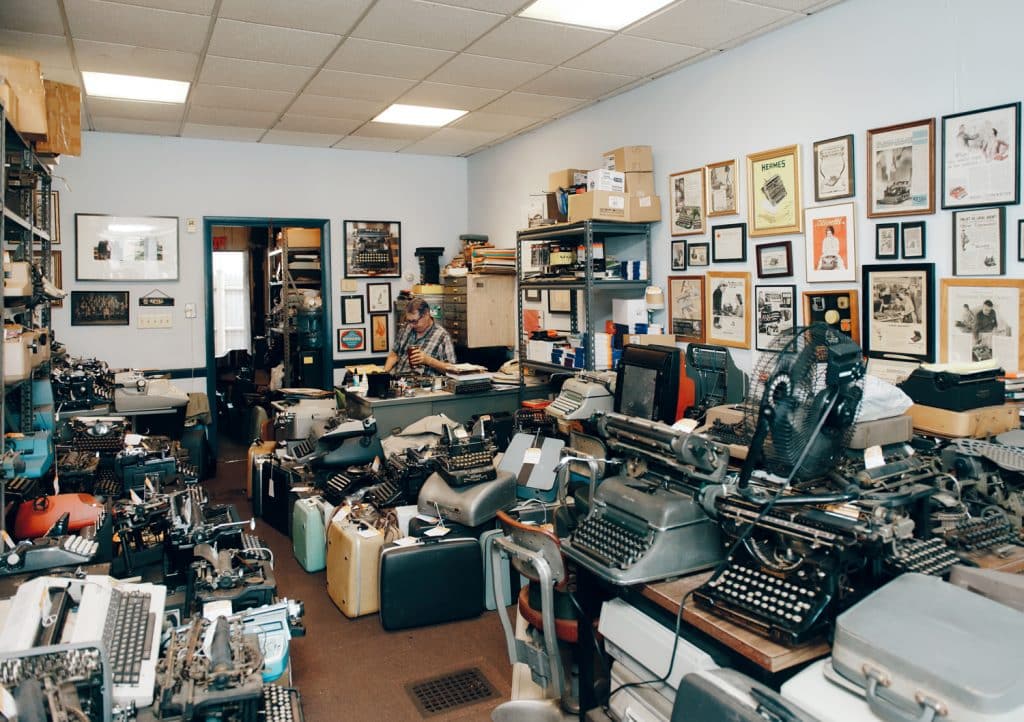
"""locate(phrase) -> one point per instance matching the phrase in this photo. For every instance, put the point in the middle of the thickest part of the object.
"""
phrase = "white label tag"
(426, 518)
(376, 464)
(270, 486)
(873, 457)
(532, 456)
(686, 425)
(609, 162)
(369, 533)
(437, 531)
(645, 201)
(616, 202)
(406, 541)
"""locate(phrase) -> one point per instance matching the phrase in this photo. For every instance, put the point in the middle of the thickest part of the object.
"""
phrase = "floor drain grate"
(449, 691)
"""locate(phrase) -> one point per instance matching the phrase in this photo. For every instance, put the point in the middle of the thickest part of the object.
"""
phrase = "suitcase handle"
(930, 707)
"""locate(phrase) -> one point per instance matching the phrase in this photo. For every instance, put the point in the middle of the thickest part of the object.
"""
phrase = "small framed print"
(380, 332)
(723, 188)
(729, 243)
(686, 308)
(912, 239)
(831, 251)
(351, 339)
(99, 308)
(833, 169)
(774, 207)
(678, 255)
(687, 205)
(532, 295)
(838, 309)
(560, 300)
(898, 311)
(775, 317)
(901, 169)
(887, 241)
(775, 260)
(698, 254)
(352, 313)
(978, 242)
(981, 157)
(1020, 240)
(727, 295)
(378, 298)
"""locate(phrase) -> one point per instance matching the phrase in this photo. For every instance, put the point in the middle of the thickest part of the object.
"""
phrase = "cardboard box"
(598, 205)
(566, 178)
(644, 209)
(606, 180)
(629, 311)
(63, 120)
(26, 80)
(9, 99)
(629, 159)
(640, 183)
(303, 237)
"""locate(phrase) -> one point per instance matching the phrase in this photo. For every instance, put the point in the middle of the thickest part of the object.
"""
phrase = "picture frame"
(532, 295)
(775, 315)
(378, 298)
(698, 255)
(729, 243)
(774, 205)
(56, 273)
(380, 332)
(679, 255)
(831, 251)
(979, 247)
(126, 248)
(981, 157)
(834, 176)
(351, 339)
(898, 311)
(722, 181)
(352, 311)
(887, 241)
(982, 320)
(373, 249)
(686, 192)
(37, 212)
(1020, 240)
(775, 260)
(99, 308)
(727, 300)
(839, 309)
(901, 169)
(912, 240)
(559, 300)
(686, 309)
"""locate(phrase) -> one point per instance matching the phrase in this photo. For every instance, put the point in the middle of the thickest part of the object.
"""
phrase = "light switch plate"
(155, 319)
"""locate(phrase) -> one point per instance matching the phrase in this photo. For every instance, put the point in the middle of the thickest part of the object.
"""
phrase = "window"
(231, 302)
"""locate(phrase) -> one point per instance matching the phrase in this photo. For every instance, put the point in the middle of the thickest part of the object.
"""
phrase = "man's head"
(417, 315)
(988, 308)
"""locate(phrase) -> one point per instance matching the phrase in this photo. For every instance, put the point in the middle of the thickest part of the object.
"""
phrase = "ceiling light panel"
(601, 14)
(134, 87)
(401, 114)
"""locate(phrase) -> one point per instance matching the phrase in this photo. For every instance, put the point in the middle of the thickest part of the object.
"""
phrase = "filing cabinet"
(480, 310)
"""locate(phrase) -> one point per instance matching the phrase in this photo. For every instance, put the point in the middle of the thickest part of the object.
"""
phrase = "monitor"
(647, 385)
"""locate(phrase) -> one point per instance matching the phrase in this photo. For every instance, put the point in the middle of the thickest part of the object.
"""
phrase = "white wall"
(858, 65)
(146, 175)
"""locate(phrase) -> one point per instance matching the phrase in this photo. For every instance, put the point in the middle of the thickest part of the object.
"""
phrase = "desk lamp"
(654, 298)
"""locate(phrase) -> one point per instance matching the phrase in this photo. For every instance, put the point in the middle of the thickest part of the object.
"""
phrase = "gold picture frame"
(961, 300)
(687, 212)
(722, 181)
(727, 306)
(901, 169)
(774, 204)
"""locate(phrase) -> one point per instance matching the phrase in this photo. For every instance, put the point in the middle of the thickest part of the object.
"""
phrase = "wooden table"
(1012, 562)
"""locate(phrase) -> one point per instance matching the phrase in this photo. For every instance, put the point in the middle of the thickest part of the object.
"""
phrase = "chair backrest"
(535, 539)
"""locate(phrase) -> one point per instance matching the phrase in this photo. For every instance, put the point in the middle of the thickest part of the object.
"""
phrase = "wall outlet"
(155, 319)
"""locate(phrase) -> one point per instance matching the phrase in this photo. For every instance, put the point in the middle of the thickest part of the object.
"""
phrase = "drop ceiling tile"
(375, 58)
(31, 16)
(133, 60)
(221, 96)
(224, 116)
(136, 110)
(541, 106)
(111, 22)
(577, 83)
(394, 131)
(796, 6)
(536, 41)
(49, 50)
(313, 124)
(634, 56)
(251, 41)
(484, 72)
(240, 73)
(494, 6)
(424, 24)
(142, 127)
(63, 75)
(380, 145)
(357, 85)
(290, 137)
(198, 7)
(324, 106)
(494, 122)
(441, 95)
(706, 23)
(324, 16)
(740, 39)
(451, 141)
(221, 132)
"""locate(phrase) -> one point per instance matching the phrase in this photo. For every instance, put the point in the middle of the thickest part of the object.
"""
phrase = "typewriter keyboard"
(385, 494)
(611, 543)
(281, 704)
(729, 433)
(567, 402)
(127, 634)
(931, 556)
(982, 533)
(469, 460)
(372, 259)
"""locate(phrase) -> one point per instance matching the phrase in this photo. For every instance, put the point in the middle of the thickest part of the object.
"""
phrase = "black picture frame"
(978, 154)
(771, 312)
(1020, 240)
(917, 248)
(99, 308)
(532, 295)
(887, 233)
(373, 291)
(839, 149)
(698, 255)
(979, 244)
(382, 343)
(117, 249)
(769, 259)
(560, 300)
(880, 286)
(719, 236)
(365, 245)
(349, 315)
(679, 251)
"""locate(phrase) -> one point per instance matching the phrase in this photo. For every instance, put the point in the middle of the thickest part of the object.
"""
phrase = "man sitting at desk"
(432, 352)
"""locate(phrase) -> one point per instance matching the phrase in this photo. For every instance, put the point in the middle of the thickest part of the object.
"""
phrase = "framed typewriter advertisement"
(836, 308)
(901, 169)
(727, 296)
(833, 169)
(775, 317)
(978, 242)
(373, 249)
(981, 157)
(773, 192)
(686, 308)
(126, 248)
(981, 321)
(775, 260)
(99, 308)
(687, 191)
(898, 311)
(723, 188)
(831, 252)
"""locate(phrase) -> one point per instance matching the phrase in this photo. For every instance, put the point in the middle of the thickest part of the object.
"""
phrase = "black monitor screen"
(648, 382)
(641, 383)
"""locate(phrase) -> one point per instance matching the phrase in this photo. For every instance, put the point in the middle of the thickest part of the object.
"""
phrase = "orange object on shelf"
(537, 404)
(34, 518)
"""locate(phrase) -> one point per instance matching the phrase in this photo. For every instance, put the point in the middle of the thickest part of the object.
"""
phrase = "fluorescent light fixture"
(603, 14)
(135, 87)
(418, 115)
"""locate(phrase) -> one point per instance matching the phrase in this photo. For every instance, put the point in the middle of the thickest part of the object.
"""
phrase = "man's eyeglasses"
(412, 321)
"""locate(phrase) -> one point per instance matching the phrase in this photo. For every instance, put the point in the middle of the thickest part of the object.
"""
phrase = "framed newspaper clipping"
(898, 311)
(775, 318)
(901, 169)
(833, 169)
(727, 295)
(686, 308)
(723, 188)
(981, 157)
(978, 242)
(687, 210)
(982, 320)
(774, 207)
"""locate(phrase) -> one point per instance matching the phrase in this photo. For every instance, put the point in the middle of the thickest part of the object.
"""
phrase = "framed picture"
(729, 243)
(982, 321)
(775, 317)
(1020, 240)
(40, 216)
(775, 259)
(678, 255)
(773, 192)
(978, 246)
(559, 300)
(686, 308)
(687, 209)
(698, 254)
(126, 248)
(352, 313)
(833, 169)
(380, 332)
(836, 308)
(897, 311)
(887, 241)
(99, 308)
(532, 295)
(831, 252)
(351, 339)
(901, 169)
(912, 239)
(373, 249)
(981, 157)
(56, 275)
(727, 295)
(378, 297)
(722, 180)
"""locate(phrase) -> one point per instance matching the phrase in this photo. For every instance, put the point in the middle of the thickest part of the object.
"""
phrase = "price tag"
(532, 456)
(368, 532)
(437, 531)
(406, 541)
(873, 457)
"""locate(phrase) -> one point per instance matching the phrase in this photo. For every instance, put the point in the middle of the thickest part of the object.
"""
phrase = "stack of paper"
(494, 260)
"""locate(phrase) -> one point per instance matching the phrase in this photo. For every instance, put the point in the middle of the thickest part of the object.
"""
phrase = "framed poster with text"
(773, 192)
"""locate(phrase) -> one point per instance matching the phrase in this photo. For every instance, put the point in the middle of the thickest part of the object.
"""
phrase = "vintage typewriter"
(98, 433)
(240, 576)
(80, 384)
(581, 397)
(338, 486)
(716, 379)
(409, 471)
(989, 475)
(281, 704)
(372, 251)
(956, 387)
(59, 682)
(774, 189)
(463, 459)
(467, 385)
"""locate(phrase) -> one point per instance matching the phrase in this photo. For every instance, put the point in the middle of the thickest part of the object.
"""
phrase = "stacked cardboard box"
(26, 80)
(621, 191)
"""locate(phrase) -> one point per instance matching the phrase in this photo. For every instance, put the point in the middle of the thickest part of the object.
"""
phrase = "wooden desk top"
(1012, 563)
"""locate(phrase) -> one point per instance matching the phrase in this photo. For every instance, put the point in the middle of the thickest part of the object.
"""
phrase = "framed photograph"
(1020, 240)
(351, 339)
(99, 308)
(912, 239)
(380, 332)
(729, 243)
(831, 252)
(686, 308)
(126, 248)
(833, 169)
(981, 321)
(352, 313)
(373, 249)
(722, 180)
(775, 260)
(678, 255)
(898, 311)
(836, 308)
(727, 295)
(532, 295)
(687, 209)
(887, 245)
(559, 300)
(901, 169)
(40, 216)
(978, 242)
(773, 192)
(378, 298)
(981, 157)
(775, 318)
(698, 254)
(56, 274)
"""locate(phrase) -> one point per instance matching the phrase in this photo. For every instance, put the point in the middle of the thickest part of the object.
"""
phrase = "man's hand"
(418, 358)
